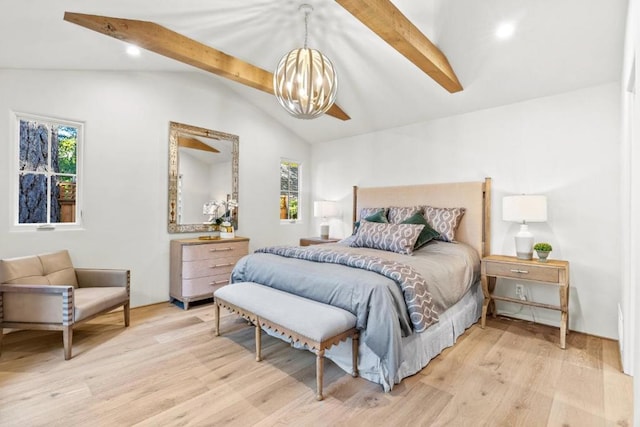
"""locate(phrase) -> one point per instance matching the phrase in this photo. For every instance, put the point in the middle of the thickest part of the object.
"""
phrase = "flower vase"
(227, 232)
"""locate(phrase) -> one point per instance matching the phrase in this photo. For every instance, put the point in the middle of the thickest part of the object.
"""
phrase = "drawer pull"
(220, 249)
(519, 271)
(219, 282)
(229, 264)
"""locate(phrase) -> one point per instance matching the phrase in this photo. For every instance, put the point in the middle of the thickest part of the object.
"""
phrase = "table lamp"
(325, 209)
(524, 209)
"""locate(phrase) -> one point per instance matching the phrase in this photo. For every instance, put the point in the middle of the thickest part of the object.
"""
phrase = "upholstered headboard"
(475, 197)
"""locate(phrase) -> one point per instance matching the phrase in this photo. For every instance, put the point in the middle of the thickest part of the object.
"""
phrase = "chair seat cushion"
(90, 301)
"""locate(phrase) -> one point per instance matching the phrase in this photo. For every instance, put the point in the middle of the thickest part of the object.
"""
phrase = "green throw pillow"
(426, 235)
(376, 217)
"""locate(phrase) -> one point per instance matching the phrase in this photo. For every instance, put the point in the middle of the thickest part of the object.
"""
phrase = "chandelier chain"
(306, 28)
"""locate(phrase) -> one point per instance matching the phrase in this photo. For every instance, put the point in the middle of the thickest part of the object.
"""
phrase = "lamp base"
(524, 243)
(324, 231)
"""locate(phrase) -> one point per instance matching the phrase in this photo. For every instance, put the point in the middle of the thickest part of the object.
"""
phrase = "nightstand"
(308, 241)
(553, 272)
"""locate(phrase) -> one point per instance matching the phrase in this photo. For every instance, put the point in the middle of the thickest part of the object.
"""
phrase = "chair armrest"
(36, 304)
(97, 278)
(36, 289)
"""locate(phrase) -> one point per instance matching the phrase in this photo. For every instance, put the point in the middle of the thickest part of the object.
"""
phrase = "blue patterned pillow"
(444, 220)
(400, 238)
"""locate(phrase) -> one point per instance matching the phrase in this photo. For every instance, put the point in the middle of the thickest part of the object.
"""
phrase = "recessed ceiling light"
(505, 30)
(133, 50)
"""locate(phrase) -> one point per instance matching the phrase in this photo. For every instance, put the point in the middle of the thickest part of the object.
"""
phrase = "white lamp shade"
(525, 208)
(325, 209)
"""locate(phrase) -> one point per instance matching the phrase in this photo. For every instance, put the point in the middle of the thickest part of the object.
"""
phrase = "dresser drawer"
(214, 250)
(208, 267)
(203, 285)
(530, 272)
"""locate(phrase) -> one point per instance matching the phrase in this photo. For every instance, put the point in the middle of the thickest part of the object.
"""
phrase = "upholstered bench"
(317, 326)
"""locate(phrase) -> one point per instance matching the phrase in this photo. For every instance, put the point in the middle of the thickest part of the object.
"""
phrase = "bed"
(409, 306)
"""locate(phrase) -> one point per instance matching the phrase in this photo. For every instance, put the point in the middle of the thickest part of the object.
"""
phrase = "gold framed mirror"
(203, 167)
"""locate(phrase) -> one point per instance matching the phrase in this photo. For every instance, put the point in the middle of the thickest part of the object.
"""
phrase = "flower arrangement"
(222, 221)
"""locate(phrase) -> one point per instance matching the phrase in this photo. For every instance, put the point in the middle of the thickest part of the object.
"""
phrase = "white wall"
(565, 146)
(126, 118)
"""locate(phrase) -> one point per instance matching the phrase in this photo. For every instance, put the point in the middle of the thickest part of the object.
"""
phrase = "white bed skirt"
(418, 349)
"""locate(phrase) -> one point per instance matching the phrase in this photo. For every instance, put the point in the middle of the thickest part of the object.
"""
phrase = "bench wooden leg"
(319, 373)
(216, 313)
(354, 355)
(258, 342)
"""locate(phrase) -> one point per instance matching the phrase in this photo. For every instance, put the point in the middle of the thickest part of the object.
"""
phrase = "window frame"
(299, 192)
(15, 174)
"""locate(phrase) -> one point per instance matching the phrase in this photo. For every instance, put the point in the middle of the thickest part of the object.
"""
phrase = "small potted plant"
(542, 249)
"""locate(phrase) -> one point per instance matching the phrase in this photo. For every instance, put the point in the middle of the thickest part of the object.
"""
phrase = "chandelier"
(305, 82)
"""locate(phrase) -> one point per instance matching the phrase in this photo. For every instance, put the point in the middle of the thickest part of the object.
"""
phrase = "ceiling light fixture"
(133, 50)
(305, 82)
(505, 30)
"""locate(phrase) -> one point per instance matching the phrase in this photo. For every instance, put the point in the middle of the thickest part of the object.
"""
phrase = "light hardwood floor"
(168, 369)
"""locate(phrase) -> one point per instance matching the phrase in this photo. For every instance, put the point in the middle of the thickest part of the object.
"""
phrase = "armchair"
(46, 292)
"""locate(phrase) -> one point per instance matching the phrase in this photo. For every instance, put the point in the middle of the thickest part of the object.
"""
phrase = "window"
(47, 171)
(289, 190)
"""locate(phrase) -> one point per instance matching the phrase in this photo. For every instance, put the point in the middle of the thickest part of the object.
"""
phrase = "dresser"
(199, 267)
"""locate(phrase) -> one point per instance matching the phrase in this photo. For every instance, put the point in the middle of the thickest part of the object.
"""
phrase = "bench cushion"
(312, 319)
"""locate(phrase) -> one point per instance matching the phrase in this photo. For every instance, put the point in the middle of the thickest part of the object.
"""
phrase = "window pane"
(293, 206)
(63, 199)
(293, 179)
(32, 199)
(284, 176)
(284, 210)
(34, 146)
(64, 149)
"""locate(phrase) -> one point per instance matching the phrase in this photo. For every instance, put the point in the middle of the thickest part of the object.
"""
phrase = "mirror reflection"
(203, 168)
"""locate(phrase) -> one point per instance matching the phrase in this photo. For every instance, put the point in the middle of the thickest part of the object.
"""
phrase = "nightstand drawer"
(519, 271)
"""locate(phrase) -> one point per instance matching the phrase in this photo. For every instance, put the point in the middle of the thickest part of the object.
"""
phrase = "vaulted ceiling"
(557, 46)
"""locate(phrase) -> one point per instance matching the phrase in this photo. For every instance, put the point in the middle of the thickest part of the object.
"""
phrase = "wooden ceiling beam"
(384, 19)
(161, 40)
(196, 144)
